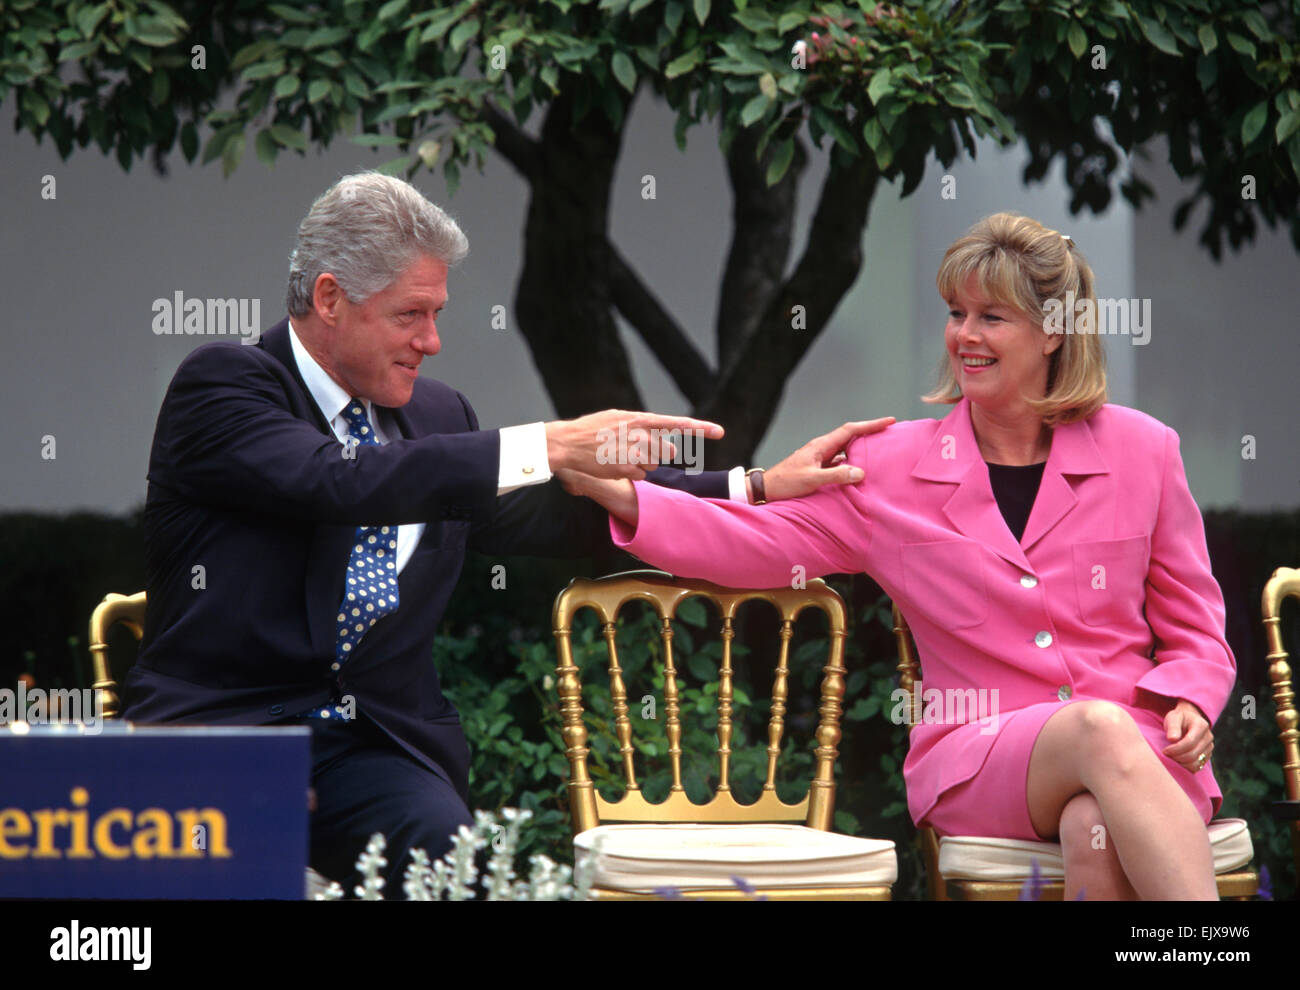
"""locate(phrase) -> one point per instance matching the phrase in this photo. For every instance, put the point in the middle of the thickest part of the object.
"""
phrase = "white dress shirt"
(523, 448)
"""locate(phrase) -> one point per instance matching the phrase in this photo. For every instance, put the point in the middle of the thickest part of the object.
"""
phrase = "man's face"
(374, 349)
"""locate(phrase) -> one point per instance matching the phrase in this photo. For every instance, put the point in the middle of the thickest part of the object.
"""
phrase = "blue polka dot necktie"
(371, 589)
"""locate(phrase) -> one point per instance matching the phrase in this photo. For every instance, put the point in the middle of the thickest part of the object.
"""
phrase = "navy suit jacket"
(249, 522)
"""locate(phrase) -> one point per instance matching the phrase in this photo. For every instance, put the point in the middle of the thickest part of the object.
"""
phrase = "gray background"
(80, 274)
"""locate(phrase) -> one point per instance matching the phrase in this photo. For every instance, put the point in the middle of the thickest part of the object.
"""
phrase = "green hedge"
(496, 655)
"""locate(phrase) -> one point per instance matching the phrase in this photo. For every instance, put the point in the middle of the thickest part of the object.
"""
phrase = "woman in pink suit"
(1049, 557)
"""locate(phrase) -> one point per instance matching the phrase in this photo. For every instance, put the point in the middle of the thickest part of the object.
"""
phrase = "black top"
(1015, 486)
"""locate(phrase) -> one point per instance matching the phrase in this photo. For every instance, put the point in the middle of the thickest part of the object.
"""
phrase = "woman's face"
(978, 330)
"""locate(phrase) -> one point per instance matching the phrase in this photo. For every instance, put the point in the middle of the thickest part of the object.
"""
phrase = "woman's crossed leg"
(1090, 767)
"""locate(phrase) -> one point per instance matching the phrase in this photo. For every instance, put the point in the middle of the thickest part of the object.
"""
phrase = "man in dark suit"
(310, 503)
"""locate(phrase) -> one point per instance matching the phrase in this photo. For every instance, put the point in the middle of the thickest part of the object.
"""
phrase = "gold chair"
(1285, 583)
(115, 608)
(981, 868)
(786, 851)
(129, 611)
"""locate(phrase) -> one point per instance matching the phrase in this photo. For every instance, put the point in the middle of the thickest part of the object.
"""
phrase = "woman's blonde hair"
(1019, 263)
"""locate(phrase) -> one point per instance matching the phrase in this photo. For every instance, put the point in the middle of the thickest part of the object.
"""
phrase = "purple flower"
(1033, 888)
(1265, 884)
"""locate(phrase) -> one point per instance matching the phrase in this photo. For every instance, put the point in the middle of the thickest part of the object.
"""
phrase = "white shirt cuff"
(523, 457)
(736, 485)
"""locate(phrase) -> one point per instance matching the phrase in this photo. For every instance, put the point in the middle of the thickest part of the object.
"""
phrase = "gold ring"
(1201, 760)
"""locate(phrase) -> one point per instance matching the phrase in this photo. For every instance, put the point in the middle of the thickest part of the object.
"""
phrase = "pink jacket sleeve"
(748, 546)
(1184, 604)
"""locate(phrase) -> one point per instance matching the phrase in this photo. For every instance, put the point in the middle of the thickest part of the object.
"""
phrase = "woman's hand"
(1188, 732)
(616, 496)
(819, 462)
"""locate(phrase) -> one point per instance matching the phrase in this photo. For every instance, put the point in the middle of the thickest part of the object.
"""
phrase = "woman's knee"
(1106, 737)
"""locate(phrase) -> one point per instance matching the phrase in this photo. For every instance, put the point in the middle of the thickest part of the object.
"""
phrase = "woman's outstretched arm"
(738, 545)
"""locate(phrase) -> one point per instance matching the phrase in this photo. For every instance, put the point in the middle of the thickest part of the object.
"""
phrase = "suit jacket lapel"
(331, 544)
(1074, 455)
(953, 457)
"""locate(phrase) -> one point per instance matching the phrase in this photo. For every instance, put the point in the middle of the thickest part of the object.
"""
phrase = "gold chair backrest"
(909, 679)
(115, 608)
(606, 596)
(1285, 583)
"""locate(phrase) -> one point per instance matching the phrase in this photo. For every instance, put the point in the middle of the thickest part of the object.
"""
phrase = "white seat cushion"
(968, 857)
(641, 858)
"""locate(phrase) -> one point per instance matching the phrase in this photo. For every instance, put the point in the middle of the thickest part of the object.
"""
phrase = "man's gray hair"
(366, 230)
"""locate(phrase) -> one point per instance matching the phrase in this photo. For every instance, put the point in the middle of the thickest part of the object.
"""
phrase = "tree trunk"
(563, 300)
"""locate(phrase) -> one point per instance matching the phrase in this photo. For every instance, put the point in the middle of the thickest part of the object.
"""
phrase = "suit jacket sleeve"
(546, 521)
(1184, 604)
(227, 437)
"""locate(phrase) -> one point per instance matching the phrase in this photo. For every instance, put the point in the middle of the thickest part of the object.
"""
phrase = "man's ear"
(327, 295)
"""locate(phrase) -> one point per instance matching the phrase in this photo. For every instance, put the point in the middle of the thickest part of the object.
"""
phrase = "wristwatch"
(755, 476)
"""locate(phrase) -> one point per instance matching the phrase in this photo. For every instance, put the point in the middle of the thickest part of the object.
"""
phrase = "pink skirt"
(995, 802)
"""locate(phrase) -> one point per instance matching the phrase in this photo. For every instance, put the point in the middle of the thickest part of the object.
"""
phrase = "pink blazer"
(1108, 595)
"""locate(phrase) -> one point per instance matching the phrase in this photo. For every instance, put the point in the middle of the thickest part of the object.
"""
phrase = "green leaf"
(326, 36)
(1240, 45)
(1258, 26)
(266, 147)
(781, 159)
(231, 155)
(880, 84)
(291, 14)
(1158, 35)
(702, 10)
(263, 70)
(463, 32)
(251, 53)
(77, 50)
(702, 669)
(442, 22)
(624, 71)
(673, 14)
(754, 110)
(391, 9)
(790, 20)
(88, 18)
(318, 90)
(1077, 38)
(286, 86)
(1209, 40)
(189, 140)
(288, 136)
(683, 63)
(156, 38)
(767, 85)
(1254, 122)
(1287, 126)
(692, 612)
(872, 133)
(884, 156)
(36, 106)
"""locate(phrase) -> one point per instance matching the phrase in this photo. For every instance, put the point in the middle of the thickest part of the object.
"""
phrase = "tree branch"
(753, 378)
(659, 331)
(763, 224)
(512, 143)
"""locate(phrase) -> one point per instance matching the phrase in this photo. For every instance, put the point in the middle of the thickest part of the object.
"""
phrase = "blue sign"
(154, 812)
